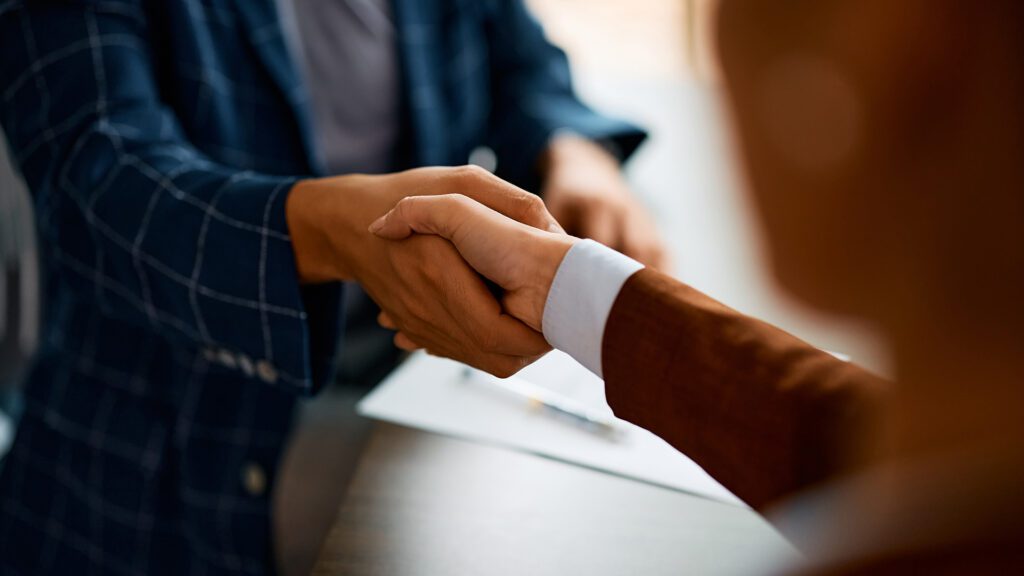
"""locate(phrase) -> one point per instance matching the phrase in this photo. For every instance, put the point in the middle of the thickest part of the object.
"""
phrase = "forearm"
(315, 259)
(567, 151)
(199, 253)
(764, 413)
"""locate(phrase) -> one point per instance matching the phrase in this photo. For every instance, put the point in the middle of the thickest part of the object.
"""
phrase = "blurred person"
(195, 173)
(883, 145)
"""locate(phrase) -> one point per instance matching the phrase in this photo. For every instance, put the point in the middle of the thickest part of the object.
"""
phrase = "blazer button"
(254, 479)
(246, 366)
(227, 359)
(266, 371)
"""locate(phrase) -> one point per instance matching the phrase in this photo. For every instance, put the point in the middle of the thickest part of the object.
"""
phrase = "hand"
(585, 191)
(521, 259)
(424, 286)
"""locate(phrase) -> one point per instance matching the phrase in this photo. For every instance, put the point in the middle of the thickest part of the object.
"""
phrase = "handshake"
(422, 242)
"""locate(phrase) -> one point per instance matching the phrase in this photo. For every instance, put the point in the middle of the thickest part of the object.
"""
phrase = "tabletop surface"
(427, 505)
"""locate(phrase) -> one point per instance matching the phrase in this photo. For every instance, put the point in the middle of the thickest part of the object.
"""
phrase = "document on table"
(450, 398)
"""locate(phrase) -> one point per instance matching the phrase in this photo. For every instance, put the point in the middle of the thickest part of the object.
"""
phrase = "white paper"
(447, 397)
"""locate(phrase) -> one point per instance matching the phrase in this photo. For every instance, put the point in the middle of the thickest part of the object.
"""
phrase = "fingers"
(385, 321)
(504, 197)
(498, 365)
(642, 242)
(506, 339)
(405, 343)
(472, 305)
(622, 225)
(652, 255)
(603, 224)
(440, 215)
(657, 257)
(509, 336)
(446, 308)
(634, 237)
(504, 366)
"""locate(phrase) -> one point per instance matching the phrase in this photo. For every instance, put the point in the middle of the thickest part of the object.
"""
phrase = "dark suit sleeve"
(134, 217)
(763, 412)
(533, 96)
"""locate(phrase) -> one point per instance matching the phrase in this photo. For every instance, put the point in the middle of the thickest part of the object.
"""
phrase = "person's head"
(884, 143)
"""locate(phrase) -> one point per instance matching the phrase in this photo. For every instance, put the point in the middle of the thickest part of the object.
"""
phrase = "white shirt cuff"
(582, 295)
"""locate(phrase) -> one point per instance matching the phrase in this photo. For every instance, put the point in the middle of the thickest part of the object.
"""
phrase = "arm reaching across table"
(765, 413)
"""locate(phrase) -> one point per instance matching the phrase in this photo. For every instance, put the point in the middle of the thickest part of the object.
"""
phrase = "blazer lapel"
(263, 28)
(417, 26)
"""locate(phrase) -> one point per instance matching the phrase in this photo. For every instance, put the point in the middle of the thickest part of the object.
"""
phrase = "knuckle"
(470, 173)
(453, 206)
(532, 209)
(535, 205)
(405, 206)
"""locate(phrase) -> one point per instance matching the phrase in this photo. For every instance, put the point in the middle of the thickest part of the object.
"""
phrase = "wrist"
(323, 233)
(549, 256)
(309, 242)
(568, 152)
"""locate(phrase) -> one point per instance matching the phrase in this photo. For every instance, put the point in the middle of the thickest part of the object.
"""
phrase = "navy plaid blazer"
(160, 139)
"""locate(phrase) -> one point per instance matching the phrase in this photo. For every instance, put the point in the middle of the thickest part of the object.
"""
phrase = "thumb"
(439, 215)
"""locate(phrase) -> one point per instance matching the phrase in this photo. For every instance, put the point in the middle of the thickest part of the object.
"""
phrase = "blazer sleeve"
(533, 96)
(133, 217)
(761, 411)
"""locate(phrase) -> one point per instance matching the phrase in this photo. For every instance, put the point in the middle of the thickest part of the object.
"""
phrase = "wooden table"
(422, 504)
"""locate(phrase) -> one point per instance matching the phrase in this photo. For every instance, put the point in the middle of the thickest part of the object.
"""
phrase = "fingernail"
(377, 224)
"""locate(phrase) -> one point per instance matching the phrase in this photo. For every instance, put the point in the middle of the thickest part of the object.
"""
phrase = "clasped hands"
(421, 243)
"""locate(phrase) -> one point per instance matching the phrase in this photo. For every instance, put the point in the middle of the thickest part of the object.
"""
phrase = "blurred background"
(648, 60)
(653, 61)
